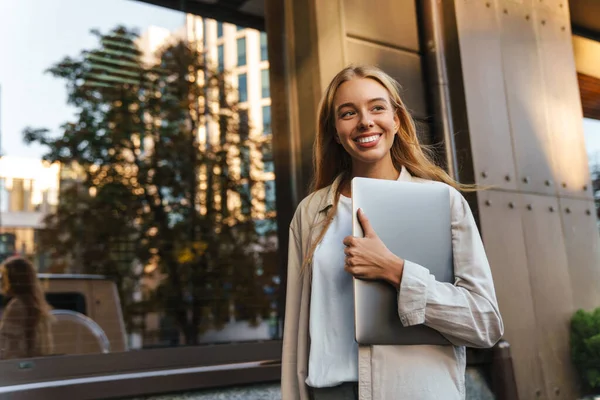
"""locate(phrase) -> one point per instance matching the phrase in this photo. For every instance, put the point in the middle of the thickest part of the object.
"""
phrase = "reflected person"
(25, 327)
(365, 130)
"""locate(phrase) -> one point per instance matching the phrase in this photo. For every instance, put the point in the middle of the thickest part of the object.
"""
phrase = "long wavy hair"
(331, 160)
(20, 281)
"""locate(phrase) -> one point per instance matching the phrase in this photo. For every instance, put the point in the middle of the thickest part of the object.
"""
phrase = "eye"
(347, 114)
(379, 108)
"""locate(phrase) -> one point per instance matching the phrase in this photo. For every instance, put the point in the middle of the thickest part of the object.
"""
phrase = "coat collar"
(405, 176)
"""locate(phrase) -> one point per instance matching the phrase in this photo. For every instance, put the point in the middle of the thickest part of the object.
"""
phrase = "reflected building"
(28, 192)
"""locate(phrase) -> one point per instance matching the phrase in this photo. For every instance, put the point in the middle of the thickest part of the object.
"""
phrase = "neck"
(382, 170)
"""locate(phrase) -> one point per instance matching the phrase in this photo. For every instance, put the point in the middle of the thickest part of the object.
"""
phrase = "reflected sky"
(36, 34)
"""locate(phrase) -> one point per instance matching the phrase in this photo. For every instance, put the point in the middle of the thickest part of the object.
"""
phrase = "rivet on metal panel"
(588, 212)
(484, 174)
(488, 203)
(529, 207)
(548, 182)
(507, 178)
(551, 208)
(511, 205)
(526, 179)
(568, 210)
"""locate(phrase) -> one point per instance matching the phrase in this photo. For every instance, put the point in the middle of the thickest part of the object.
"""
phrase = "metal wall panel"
(500, 216)
(492, 152)
(551, 291)
(571, 172)
(404, 66)
(526, 99)
(583, 251)
(393, 23)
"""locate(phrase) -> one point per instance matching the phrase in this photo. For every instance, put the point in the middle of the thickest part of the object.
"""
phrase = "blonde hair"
(330, 160)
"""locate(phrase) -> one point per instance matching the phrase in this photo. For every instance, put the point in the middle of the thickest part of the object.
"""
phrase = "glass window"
(591, 130)
(266, 89)
(266, 119)
(264, 53)
(244, 128)
(270, 195)
(243, 87)
(241, 52)
(268, 166)
(3, 196)
(240, 28)
(221, 58)
(154, 217)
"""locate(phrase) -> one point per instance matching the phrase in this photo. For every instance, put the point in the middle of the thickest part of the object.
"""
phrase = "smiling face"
(366, 123)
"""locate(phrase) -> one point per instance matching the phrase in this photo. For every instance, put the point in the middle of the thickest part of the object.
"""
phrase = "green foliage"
(585, 347)
(145, 193)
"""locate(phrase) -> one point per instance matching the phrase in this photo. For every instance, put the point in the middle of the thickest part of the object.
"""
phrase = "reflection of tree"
(150, 194)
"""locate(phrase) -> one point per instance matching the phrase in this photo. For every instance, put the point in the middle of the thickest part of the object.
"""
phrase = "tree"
(150, 193)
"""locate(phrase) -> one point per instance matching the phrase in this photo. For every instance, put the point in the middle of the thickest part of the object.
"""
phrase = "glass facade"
(243, 87)
(153, 181)
(265, 85)
(241, 52)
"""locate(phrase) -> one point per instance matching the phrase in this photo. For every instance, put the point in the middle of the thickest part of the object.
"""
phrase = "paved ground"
(476, 390)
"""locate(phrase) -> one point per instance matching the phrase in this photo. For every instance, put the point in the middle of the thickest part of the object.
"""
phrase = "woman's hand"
(369, 258)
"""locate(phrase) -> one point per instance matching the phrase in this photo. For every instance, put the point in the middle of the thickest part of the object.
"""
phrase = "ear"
(396, 123)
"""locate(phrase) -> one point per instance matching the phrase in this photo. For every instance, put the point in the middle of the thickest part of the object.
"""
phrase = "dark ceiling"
(585, 14)
(585, 18)
(249, 13)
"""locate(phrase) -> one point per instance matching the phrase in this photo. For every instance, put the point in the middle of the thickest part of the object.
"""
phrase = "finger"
(348, 241)
(365, 224)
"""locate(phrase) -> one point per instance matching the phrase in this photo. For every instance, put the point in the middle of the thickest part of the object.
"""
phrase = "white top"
(333, 357)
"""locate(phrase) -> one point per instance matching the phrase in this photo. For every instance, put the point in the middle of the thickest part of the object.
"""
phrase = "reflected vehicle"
(87, 311)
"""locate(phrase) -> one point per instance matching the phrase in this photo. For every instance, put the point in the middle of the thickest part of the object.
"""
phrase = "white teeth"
(368, 139)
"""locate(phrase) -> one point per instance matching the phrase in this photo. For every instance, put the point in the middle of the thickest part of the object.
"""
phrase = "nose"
(365, 122)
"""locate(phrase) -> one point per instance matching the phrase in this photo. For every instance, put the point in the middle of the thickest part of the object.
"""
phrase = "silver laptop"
(413, 220)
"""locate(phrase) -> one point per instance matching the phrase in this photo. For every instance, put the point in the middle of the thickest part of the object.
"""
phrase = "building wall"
(28, 192)
(537, 222)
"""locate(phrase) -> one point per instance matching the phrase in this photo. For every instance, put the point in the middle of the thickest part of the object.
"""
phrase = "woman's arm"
(465, 312)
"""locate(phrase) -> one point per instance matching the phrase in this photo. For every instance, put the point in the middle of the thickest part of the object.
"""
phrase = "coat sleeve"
(290, 389)
(465, 312)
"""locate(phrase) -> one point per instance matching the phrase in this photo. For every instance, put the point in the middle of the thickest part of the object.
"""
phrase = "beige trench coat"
(466, 313)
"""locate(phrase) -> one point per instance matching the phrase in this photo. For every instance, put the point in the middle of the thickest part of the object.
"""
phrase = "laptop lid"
(414, 221)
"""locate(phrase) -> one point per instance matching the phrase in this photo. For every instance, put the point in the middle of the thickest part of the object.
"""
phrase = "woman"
(25, 328)
(364, 130)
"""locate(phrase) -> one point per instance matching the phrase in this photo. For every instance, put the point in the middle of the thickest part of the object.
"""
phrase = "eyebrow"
(350, 104)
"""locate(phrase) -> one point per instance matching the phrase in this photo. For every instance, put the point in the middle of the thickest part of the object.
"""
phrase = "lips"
(368, 140)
